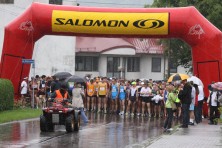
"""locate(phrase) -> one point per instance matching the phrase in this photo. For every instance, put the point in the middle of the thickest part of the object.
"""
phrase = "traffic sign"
(28, 61)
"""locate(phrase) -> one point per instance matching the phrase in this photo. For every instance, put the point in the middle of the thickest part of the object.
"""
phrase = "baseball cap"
(133, 83)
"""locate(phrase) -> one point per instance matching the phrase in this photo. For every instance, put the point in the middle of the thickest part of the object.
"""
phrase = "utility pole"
(169, 50)
(169, 59)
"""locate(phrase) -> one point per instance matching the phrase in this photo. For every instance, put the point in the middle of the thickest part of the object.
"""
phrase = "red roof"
(96, 44)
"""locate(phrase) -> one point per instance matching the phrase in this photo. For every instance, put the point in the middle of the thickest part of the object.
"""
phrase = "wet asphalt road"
(103, 130)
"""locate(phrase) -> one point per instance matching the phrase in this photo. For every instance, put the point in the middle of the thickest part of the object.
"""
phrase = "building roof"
(99, 45)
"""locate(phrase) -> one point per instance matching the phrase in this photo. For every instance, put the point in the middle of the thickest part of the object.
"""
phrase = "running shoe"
(169, 129)
(121, 113)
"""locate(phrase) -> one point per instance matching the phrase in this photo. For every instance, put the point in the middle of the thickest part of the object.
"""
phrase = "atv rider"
(61, 95)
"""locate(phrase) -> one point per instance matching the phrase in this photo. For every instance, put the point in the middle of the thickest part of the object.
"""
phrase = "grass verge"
(19, 114)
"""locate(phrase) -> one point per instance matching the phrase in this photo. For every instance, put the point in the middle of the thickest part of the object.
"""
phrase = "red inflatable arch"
(42, 19)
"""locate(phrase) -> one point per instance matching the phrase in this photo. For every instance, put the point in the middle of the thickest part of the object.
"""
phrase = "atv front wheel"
(69, 123)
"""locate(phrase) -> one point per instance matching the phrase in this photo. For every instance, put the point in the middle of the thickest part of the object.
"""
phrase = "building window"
(85, 63)
(133, 64)
(6, 1)
(173, 66)
(156, 64)
(56, 2)
(112, 66)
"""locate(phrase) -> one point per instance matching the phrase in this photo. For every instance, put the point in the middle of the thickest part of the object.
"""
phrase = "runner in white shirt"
(145, 93)
(24, 90)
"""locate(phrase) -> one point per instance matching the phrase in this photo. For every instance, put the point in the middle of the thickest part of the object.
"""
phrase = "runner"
(90, 95)
(114, 96)
(96, 85)
(105, 103)
(33, 86)
(132, 99)
(139, 98)
(42, 91)
(157, 100)
(146, 100)
(122, 97)
(24, 91)
(102, 94)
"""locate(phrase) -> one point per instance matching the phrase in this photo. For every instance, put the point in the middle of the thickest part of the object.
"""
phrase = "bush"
(6, 95)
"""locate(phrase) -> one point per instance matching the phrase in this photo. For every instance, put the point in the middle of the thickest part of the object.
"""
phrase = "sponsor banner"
(110, 23)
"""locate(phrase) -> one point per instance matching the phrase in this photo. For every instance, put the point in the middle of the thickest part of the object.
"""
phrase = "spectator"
(214, 104)
(199, 108)
(170, 105)
(77, 101)
(55, 84)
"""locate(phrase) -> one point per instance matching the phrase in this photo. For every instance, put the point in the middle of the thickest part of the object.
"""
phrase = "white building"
(127, 58)
(57, 53)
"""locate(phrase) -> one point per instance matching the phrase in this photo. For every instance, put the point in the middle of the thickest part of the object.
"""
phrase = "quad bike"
(60, 114)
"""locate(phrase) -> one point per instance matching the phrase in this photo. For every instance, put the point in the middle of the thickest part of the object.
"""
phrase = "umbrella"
(177, 77)
(62, 75)
(217, 86)
(195, 80)
(75, 79)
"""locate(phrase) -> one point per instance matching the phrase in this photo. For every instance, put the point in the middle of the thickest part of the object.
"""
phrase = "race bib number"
(34, 86)
(102, 88)
(43, 85)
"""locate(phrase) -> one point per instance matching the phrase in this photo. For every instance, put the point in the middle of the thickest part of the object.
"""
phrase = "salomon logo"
(148, 24)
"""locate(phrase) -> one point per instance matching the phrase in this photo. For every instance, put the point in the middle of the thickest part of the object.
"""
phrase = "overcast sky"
(115, 3)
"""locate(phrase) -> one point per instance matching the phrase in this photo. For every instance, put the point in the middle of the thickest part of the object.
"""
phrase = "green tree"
(211, 9)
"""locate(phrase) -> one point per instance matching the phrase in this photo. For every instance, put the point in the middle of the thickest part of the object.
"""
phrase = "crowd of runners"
(113, 96)
(116, 96)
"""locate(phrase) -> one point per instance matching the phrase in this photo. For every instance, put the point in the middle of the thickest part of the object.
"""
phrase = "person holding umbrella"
(185, 97)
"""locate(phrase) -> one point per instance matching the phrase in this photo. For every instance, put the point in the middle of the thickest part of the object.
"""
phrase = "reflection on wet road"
(103, 130)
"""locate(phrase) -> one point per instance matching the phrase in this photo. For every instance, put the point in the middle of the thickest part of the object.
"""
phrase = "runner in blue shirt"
(114, 96)
(122, 97)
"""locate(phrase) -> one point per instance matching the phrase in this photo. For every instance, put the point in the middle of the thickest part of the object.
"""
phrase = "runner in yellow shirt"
(90, 95)
(102, 95)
